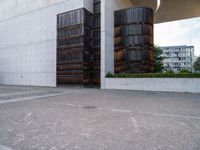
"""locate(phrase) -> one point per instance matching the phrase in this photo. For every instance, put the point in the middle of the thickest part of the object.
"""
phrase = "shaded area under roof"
(171, 10)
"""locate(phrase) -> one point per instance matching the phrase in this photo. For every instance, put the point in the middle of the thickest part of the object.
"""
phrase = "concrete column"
(107, 41)
(107, 34)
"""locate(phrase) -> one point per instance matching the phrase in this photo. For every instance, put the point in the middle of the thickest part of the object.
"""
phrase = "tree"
(158, 59)
(197, 65)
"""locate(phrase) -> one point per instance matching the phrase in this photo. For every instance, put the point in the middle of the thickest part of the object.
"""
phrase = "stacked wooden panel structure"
(74, 47)
(134, 40)
(97, 41)
(79, 44)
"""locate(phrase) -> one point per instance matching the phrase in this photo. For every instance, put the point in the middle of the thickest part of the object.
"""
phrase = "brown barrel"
(134, 38)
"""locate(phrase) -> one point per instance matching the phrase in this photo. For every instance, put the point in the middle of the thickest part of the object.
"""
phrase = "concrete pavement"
(34, 118)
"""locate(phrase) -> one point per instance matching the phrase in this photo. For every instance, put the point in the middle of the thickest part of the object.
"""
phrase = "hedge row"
(154, 75)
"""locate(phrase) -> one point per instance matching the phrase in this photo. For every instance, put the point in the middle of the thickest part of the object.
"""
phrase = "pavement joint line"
(171, 115)
(98, 108)
(121, 110)
(21, 93)
(33, 98)
(129, 111)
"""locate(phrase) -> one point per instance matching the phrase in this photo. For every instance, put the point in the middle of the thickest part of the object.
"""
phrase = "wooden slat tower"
(74, 48)
(97, 41)
(134, 40)
(79, 44)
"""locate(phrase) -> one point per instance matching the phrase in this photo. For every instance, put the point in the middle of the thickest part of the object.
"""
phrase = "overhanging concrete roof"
(171, 10)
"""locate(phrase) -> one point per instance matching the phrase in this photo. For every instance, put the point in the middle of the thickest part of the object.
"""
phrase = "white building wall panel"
(190, 85)
(14, 8)
(28, 40)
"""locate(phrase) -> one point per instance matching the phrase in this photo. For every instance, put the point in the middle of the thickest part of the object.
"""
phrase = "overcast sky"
(184, 32)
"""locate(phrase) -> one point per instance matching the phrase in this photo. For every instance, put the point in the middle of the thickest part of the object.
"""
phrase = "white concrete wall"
(28, 31)
(107, 34)
(154, 84)
(88, 4)
(15, 8)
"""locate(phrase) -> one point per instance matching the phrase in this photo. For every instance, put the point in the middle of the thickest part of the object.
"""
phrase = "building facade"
(33, 44)
(52, 42)
(28, 40)
(177, 58)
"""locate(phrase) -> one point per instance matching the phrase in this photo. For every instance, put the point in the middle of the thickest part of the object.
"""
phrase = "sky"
(183, 32)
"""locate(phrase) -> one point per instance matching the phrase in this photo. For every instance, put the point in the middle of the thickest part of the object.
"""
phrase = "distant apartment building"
(178, 58)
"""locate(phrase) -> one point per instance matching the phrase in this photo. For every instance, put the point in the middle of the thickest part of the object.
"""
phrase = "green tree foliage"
(158, 59)
(197, 65)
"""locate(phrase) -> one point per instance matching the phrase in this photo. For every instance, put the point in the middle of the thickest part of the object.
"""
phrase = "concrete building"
(178, 58)
(28, 33)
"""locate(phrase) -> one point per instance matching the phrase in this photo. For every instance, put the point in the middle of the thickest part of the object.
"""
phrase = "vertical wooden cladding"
(97, 40)
(97, 6)
(74, 47)
(134, 40)
(79, 16)
(78, 47)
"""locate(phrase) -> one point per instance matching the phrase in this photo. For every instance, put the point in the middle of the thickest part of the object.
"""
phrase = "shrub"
(154, 75)
(169, 72)
(109, 75)
(185, 71)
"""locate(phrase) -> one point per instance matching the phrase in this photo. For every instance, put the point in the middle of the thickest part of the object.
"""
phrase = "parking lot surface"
(72, 118)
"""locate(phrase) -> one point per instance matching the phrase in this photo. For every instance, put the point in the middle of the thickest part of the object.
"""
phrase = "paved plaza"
(73, 118)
